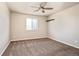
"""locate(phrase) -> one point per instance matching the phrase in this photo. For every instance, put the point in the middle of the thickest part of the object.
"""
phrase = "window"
(31, 24)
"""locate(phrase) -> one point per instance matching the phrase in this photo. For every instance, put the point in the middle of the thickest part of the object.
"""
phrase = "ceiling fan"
(42, 7)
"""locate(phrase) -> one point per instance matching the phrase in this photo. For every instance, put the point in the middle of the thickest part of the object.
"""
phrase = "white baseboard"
(20, 39)
(4, 48)
(53, 38)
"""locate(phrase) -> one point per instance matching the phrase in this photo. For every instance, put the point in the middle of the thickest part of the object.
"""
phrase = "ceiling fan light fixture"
(43, 11)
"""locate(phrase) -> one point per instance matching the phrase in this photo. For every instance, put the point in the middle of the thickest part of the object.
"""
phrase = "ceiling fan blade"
(43, 4)
(48, 8)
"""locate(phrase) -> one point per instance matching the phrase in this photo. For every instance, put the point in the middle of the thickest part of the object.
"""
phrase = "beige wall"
(65, 27)
(18, 31)
(4, 27)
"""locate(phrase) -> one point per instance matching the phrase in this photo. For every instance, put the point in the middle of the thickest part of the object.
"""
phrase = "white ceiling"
(26, 7)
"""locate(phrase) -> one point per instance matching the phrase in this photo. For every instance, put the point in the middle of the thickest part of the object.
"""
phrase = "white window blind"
(31, 24)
